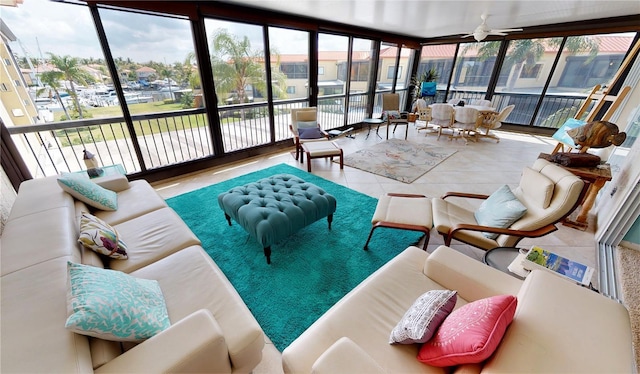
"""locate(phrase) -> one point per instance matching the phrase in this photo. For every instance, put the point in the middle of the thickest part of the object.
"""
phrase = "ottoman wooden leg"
(267, 254)
(341, 159)
(309, 162)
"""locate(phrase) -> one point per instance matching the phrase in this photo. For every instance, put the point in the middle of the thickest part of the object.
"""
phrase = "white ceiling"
(434, 18)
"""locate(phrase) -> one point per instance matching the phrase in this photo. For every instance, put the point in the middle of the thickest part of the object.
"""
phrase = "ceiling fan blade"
(466, 36)
(496, 32)
(506, 30)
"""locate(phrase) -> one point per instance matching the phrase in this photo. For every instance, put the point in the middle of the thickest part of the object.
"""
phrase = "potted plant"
(425, 85)
(428, 82)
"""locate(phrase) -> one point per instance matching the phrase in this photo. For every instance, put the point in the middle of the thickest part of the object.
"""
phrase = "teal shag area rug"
(310, 271)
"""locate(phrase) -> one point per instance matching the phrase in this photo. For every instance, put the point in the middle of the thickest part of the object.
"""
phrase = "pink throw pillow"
(470, 334)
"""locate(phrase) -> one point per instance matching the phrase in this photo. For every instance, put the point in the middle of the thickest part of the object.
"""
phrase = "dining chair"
(442, 117)
(492, 121)
(486, 103)
(391, 111)
(424, 116)
(466, 120)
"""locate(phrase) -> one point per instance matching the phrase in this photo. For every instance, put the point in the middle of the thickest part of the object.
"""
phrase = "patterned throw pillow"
(112, 305)
(470, 334)
(424, 317)
(100, 237)
(88, 192)
(501, 210)
(392, 114)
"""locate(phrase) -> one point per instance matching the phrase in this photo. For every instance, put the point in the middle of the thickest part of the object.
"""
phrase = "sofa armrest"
(115, 183)
(345, 356)
(471, 278)
(193, 344)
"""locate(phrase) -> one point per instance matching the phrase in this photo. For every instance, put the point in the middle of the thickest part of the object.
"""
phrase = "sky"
(43, 27)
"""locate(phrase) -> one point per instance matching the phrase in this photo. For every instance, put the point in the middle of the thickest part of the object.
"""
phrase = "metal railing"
(169, 138)
(553, 112)
(163, 138)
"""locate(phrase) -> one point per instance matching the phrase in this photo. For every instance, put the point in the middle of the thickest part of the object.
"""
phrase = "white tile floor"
(479, 167)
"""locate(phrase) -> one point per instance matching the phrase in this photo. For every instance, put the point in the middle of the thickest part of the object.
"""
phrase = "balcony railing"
(168, 138)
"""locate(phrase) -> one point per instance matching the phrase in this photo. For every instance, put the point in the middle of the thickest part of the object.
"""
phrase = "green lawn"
(119, 130)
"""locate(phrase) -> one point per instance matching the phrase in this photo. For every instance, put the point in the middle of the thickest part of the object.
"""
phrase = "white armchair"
(305, 128)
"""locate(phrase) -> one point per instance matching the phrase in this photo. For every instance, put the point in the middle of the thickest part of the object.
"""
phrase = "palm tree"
(526, 52)
(236, 66)
(52, 79)
(191, 75)
(70, 68)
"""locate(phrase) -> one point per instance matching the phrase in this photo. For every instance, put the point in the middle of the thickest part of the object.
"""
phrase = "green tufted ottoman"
(274, 208)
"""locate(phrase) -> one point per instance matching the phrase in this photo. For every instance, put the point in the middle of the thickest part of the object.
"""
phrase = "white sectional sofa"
(558, 326)
(212, 330)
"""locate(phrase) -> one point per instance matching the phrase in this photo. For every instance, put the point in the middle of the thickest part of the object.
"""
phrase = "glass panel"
(523, 76)
(239, 75)
(440, 58)
(388, 54)
(157, 69)
(404, 79)
(332, 58)
(586, 61)
(472, 71)
(290, 75)
(156, 65)
(360, 73)
(65, 67)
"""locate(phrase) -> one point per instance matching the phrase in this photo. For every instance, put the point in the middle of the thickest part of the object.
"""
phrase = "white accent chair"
(307, 115)
(391, 103)
(549, 192)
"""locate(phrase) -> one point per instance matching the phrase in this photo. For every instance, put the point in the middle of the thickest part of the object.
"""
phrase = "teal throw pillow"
(88, 192)
(501, 210)
(112, 305)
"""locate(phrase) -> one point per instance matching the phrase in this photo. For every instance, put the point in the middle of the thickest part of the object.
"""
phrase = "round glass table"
(500, 258)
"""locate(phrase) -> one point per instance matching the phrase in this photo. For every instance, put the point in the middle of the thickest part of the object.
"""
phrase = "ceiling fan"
(483, 30)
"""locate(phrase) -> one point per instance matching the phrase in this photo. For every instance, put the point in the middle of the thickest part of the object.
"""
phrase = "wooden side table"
(596, 177)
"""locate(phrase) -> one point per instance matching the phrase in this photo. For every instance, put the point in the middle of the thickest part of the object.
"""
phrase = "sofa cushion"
(140, 198)
(100, 237)
(112, 305)
(87, 191)
(424, 317)
(151, 237)
(537, 187)
(191, 281)
(470, 334)
(501, 210)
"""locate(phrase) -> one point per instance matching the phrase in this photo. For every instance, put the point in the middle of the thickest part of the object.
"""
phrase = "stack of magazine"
(538, 258)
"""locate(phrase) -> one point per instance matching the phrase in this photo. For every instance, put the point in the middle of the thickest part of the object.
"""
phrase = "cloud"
(68, 29)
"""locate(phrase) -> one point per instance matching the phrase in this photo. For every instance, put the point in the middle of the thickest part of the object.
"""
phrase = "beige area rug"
(398, 159)
(628, 265)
